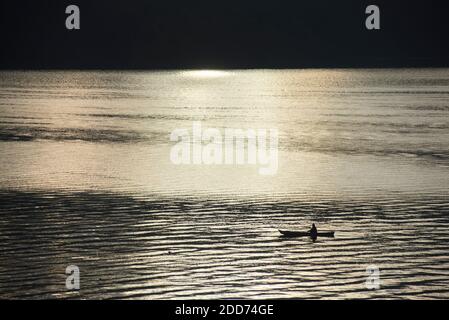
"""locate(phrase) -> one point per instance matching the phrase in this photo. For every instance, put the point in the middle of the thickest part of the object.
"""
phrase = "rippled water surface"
(86, 179)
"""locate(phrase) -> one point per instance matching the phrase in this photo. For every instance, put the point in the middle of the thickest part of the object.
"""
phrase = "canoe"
(329, 234)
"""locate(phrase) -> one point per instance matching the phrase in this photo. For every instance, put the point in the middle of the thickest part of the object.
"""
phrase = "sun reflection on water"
(205, 73)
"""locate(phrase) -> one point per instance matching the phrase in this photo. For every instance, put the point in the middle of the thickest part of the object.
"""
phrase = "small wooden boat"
(291, 234)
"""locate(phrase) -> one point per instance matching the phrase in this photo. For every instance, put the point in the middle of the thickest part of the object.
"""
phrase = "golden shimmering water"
(86, 179)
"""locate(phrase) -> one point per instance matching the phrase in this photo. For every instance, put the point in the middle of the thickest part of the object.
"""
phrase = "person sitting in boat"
(313, 231)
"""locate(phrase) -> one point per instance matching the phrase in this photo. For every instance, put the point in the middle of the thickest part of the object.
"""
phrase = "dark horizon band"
(142, 34)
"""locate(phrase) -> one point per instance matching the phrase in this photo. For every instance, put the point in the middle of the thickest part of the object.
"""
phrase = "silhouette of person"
(313, 232)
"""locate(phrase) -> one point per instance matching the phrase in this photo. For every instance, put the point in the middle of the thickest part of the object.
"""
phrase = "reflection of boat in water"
(292, 234)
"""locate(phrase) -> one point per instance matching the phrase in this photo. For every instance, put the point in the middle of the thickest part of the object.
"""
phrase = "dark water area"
(131, 247)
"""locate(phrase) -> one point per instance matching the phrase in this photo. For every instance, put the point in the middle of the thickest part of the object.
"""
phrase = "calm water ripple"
(86, 179)
(164, 248)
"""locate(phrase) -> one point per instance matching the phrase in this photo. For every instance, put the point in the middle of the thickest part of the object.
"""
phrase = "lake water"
(86, 179)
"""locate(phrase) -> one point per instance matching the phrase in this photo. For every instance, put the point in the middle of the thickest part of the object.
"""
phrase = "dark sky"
(167, 34)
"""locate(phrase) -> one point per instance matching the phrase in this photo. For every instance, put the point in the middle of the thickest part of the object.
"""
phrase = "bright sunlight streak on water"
(205, 73)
